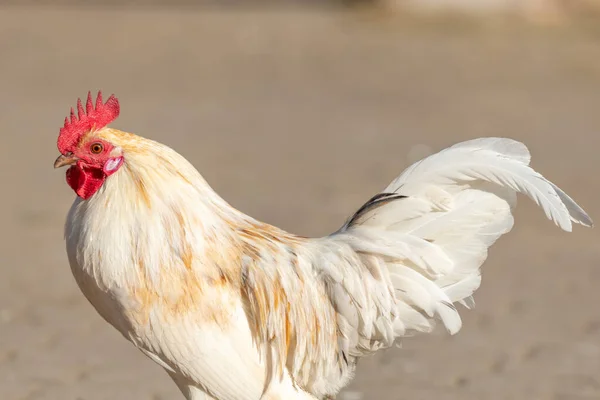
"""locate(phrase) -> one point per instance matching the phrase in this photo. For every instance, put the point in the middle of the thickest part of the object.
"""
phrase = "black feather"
(375, 201)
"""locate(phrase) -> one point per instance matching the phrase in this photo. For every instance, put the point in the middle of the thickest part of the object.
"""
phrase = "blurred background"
(296, 112)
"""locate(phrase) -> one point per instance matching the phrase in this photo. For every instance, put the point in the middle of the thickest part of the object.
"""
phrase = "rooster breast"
(174, 291)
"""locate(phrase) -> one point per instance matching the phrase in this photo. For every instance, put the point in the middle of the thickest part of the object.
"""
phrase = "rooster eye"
(96, 148)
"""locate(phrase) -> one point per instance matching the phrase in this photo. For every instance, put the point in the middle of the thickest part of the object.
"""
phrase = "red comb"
(93, 117)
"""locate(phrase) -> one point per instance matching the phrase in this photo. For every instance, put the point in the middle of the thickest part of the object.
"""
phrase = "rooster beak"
(65, 159)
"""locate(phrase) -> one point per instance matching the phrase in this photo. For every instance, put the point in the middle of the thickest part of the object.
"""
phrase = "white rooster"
(235, 309)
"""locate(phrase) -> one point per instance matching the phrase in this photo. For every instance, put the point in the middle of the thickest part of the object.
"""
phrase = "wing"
(290, 312)
(316, 305)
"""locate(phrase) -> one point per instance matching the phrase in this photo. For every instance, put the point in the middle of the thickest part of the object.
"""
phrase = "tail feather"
(576, 213)
(504, 162)
(434, 223)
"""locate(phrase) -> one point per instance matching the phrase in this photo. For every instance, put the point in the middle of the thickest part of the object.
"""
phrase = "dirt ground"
(297, 117)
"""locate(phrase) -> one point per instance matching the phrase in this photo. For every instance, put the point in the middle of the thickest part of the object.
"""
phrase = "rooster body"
(235, 309)
(189, 262)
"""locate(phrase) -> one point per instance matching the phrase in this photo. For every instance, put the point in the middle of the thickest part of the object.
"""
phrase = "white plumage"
(235, 309)
(459, 202)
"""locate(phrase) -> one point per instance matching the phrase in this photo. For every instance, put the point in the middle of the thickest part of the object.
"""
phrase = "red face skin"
(94, 165)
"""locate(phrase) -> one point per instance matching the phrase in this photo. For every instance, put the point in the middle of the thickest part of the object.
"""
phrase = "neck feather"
(155, 215)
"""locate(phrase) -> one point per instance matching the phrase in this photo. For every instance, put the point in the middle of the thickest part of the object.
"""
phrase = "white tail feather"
(433, 224)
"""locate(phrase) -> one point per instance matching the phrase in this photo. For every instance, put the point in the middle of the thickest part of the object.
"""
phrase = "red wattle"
(85, 181)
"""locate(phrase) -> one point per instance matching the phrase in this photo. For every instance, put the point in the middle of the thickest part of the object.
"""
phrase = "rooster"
(236, 309)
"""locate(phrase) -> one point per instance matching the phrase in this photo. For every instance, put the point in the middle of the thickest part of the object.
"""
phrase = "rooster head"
(91, 158)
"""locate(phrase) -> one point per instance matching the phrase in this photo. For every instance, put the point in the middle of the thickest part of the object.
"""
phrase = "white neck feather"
(146, 218)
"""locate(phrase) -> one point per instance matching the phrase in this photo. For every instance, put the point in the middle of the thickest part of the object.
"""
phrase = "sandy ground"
(296, 118)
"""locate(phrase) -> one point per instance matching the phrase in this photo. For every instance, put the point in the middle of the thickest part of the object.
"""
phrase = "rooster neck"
(155, 216)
